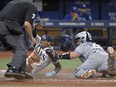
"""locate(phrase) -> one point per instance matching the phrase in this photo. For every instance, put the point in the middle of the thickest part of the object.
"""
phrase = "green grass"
(66, 64)
(3, 62)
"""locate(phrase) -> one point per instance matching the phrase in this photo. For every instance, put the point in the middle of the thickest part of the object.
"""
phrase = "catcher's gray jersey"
(93, 56)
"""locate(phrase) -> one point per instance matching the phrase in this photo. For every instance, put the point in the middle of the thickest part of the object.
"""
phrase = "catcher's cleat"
(13, 73)
(88, 74)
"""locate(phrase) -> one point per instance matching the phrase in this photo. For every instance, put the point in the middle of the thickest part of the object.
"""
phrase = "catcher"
(93, 56)
(38, 59)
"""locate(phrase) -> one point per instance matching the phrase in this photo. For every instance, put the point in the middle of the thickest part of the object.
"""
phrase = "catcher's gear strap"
(65, 56)
(112, 66)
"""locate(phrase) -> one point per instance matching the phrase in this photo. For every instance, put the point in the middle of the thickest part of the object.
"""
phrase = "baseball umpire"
(13, 16)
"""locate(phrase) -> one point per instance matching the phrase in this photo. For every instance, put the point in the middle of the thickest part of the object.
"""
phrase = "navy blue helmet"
(46, 37)
(74, 9)
(83, 6)
(65, 43)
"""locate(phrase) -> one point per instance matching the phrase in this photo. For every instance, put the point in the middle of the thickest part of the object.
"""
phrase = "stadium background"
(57, 9)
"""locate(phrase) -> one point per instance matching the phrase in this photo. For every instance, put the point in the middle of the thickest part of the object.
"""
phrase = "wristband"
(65, 56)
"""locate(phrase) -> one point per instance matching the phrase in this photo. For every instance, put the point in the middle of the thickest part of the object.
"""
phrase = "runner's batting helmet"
(46, 37)
(65, 43)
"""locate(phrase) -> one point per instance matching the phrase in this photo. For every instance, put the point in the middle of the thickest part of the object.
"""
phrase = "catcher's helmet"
(82, 37)
(65, 43)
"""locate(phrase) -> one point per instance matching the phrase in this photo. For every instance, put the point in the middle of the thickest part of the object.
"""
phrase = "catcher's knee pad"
(112, 66)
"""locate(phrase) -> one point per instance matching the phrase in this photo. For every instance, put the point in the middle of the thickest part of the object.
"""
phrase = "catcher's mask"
(82, 37)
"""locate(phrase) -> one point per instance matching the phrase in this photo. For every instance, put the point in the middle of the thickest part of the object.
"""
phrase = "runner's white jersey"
(86, 49)
(42, 51)
(45, 59)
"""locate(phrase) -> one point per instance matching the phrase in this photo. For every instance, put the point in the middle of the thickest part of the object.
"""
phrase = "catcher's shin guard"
(111, 61)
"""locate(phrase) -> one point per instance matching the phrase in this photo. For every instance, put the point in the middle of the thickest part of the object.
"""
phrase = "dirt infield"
(63, 78)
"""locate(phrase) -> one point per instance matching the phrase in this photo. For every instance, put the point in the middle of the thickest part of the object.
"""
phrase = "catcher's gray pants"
(19, 49)
(96, 61)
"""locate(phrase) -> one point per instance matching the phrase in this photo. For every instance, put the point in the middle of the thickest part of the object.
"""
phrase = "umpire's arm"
(28, 28)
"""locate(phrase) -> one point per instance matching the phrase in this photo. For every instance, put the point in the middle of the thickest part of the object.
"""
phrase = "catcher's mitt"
(52, 54)
(32, 58)
(111, 61)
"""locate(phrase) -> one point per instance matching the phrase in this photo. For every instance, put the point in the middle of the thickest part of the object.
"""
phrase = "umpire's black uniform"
(12, 17)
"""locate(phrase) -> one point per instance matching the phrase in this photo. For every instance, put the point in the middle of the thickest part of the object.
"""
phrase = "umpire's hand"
(33, 41)
(38, 27)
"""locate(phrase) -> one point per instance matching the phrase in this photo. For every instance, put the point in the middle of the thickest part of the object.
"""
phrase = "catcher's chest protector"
(112, 66)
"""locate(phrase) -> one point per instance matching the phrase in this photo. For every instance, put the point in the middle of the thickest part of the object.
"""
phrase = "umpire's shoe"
(12, 72)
